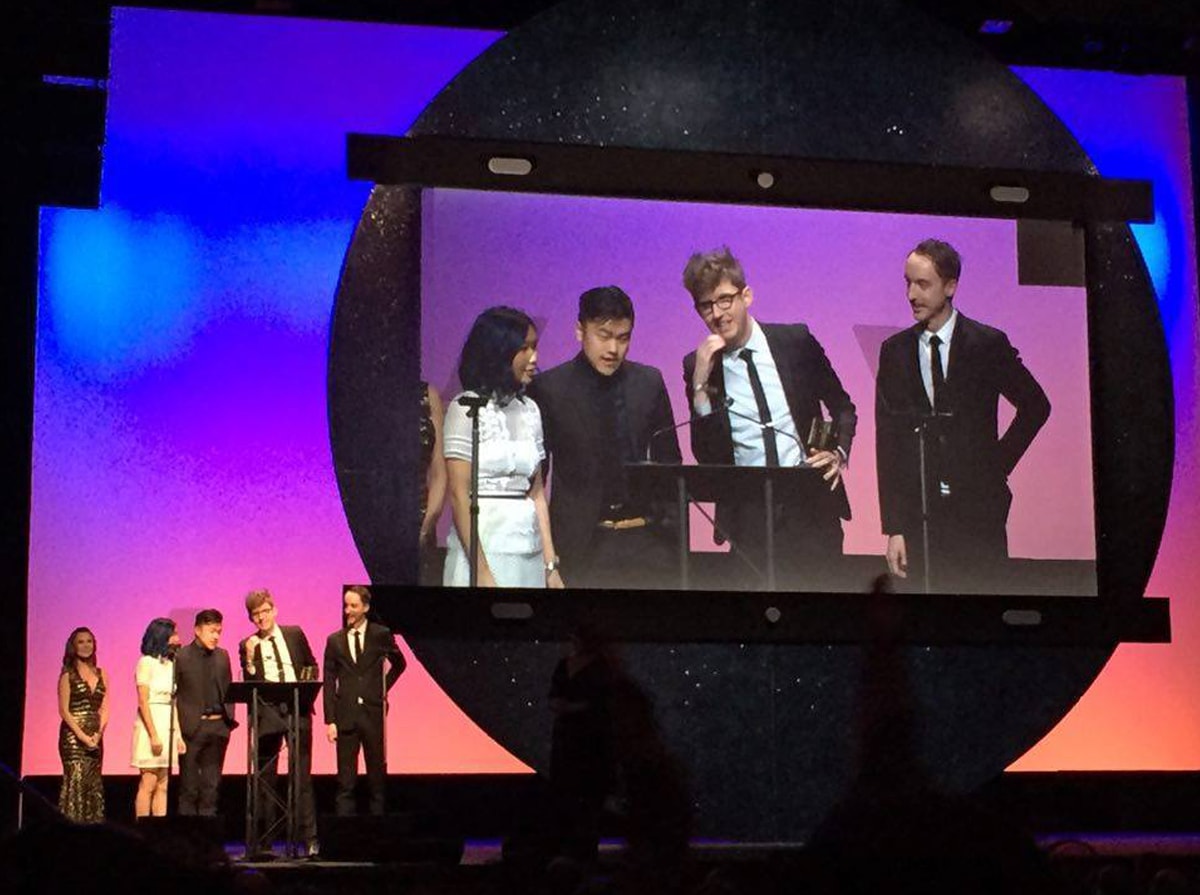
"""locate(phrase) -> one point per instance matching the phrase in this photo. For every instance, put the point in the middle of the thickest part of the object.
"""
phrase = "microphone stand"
(768, 488)
(681, 500)
(925, 422)
(474, 403)
(169, 747)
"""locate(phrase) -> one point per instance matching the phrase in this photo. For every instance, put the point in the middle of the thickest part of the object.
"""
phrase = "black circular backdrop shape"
(766, 732)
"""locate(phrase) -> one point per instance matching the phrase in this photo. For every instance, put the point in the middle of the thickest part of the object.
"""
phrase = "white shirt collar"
(945, 333)
(757, 342)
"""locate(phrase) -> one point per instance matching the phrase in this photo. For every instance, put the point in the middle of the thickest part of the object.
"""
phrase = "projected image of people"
(499, 359)
(943, 465)
(769, 415)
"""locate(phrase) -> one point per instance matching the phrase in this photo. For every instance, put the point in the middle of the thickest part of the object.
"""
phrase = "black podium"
(712, 482)
(299, 697)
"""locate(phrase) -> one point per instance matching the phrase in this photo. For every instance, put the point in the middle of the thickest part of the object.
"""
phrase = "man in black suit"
(755, 390)
(959, 368)
(202, 677)
(355, 697)
(277, 652)
(600, 411)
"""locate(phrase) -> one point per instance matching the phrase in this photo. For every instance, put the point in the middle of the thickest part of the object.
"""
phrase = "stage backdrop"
(181, 450)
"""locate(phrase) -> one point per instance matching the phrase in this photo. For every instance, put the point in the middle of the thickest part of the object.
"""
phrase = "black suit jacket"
(353, 689)
(570, 433)
(190, 683)
(273, 718)
(971, 456)
(808, 382)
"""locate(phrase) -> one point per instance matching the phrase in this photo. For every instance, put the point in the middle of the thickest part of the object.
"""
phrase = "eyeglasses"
(721, 302)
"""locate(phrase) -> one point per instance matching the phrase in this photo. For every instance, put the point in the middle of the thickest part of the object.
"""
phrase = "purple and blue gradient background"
(181, 451)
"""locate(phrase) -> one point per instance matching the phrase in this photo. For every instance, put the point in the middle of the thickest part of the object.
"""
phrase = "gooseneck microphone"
(765, 426)
(473, 401)
(663, 431)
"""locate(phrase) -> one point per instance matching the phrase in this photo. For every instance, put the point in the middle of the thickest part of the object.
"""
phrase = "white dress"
(158, 676)
(510, 451)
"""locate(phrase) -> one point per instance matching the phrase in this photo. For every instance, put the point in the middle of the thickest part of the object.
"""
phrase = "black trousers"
(968, 546)
(269, 746)
(808, 543)
(367, 736)
(200, 768)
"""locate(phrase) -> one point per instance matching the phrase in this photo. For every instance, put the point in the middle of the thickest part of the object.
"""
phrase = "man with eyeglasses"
(277, 652)
(755, 389)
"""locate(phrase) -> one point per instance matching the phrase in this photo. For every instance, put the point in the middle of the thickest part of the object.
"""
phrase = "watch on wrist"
(552, 566)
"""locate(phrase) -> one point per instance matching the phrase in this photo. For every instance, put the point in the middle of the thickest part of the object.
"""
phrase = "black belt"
(503, 496)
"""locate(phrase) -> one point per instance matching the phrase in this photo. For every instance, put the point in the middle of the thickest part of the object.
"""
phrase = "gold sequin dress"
(81, 797)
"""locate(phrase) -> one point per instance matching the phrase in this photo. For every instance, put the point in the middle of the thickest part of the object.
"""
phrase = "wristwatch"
(552, 566)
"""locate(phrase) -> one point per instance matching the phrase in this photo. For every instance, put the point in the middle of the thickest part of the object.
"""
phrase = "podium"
(711, 482)
(299, 697)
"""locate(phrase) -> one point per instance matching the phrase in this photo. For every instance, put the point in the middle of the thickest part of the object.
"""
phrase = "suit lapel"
(582, 426)
(785, 360)
(960, 350)
(914, 385)
(960, 346)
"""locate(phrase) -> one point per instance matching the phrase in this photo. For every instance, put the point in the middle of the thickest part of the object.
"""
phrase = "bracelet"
(552, 566)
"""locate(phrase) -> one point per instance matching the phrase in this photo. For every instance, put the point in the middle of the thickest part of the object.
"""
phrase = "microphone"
(663, 431)
(473, 401)
(765, 426)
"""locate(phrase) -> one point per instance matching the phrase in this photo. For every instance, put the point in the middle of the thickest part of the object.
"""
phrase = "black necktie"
(357, 646)
(939, 377)
(278, 661)
(764, 411)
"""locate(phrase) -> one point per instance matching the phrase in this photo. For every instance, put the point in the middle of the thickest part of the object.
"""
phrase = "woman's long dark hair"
(487, 355)
(69, 656)
(156, 640)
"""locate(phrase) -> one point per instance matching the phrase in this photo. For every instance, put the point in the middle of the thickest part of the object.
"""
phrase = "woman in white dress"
(152, 753)
(516, 549)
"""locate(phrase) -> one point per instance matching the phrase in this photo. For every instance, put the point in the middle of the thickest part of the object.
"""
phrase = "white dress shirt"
(749, 447)
(276, 656)
(361, 628)
(925, 361)
(925, 353)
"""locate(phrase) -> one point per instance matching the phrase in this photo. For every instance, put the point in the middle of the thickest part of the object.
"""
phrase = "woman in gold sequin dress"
(83, 707)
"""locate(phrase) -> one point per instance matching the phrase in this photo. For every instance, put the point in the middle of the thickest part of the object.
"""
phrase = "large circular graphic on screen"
(768, 737)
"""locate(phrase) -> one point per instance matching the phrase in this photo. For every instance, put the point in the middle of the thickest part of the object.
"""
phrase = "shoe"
(312, 849)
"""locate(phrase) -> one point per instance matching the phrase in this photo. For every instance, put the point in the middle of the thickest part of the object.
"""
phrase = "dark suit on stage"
(965, 454)
(577, 438)
(202, 680)
(808, 528)
(355, 697)
(273, 724)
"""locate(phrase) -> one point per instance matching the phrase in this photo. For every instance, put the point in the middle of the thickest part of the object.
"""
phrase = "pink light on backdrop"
(1143, 713)
(181, 448)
